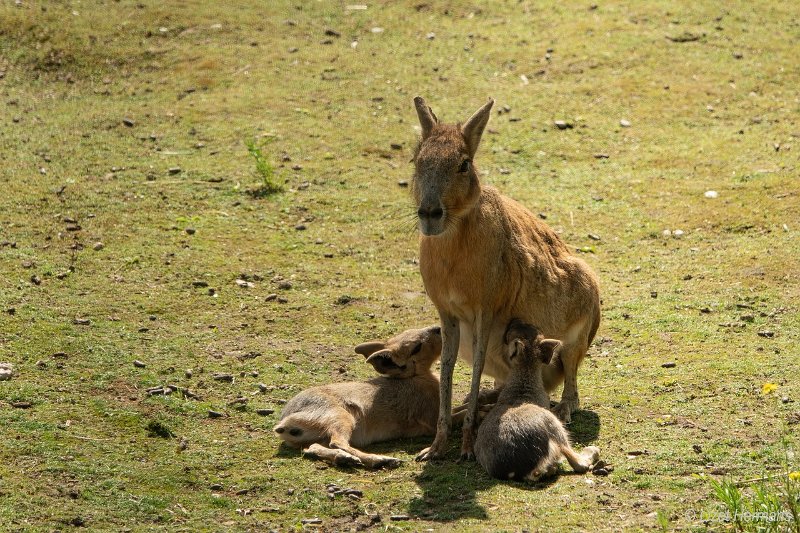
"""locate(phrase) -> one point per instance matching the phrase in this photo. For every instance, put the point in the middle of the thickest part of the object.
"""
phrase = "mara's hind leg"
(333, 456)
(571, 357)
(370, 460)
(543, 471)
(583, 461)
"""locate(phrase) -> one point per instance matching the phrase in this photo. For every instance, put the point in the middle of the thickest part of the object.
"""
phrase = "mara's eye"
(464, 166)
(416, 349)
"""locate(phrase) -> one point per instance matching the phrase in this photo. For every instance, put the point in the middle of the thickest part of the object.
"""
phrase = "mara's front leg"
(480, 341)
(450, 335)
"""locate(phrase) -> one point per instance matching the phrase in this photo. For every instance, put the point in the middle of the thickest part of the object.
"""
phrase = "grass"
(126, 119)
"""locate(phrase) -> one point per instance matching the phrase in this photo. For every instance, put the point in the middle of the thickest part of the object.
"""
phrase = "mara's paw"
(387, 462)
(564, 409)
(433, 452)
(345, 460)
(591, 453)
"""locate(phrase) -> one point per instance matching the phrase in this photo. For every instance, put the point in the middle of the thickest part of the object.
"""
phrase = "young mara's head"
(408, 354)
(526, 346)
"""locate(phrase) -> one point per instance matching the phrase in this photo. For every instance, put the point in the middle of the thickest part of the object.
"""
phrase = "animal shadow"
(584, 428)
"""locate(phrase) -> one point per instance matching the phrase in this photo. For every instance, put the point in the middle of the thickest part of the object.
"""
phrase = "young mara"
(520, 438)
(333, 421)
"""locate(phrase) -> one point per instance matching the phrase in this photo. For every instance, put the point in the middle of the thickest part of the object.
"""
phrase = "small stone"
(563, 125)
(396, 146)
(711, 194)
(330, 32)
(669, 364)
(199, 284)
(625, 123)
(129, 122)
(300, 227)
(594, 237)
(188, 373)
(601, 156)
(36, 280)
(737, 55)
(402, 183)
(311, 521)
(399, 517)
(98, 246)
(282, 300)
(183, 444)
(653, 294)
(190, 230)
(697, 448)
(263, 387)
(678, 233)
(297, 167)
(214, 414)
(748, 318)
(431, 36)
(285, 285)
(81, 321)
(139, 364)
(271, 297)
(786, 399)
(215, 486)
(21, 405)
(766, 334)
(264, 412)
(174, 170)
(6, 371)
(244, 284)
(221, 376)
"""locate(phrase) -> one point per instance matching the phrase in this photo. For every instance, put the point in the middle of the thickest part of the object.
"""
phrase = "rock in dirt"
(139, 364)
(6, 371)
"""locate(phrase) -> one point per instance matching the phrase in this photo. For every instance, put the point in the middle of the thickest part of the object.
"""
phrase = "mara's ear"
(473, 128)
(382, 362)
(368, 348)
(516, 348)
(549, 347)
(426, 117)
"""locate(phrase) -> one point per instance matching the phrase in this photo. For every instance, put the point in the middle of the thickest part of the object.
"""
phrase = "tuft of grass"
(265, 171)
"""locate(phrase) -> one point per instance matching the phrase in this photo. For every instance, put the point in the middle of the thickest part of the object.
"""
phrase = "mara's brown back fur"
(484, 259)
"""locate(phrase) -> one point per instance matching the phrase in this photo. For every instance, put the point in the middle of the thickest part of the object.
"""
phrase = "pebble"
(766, 334)
(244, 284)
(21, 405)
(188, 373)
(402, 183)
(190, 231)
(271, 297)
(129, 122)
(221, 376)
(81, 321)
(199, 284)
(139, 364)
(174, 170)
(711, 194)
(562, 125)
(594, 237)
(625, 123)
(263, 387)
(670, 364)
(399, 517)
(264, 412)
(98, 246)
(311, 521)
(285, 285)
(300, 227)
(214, 414)
(6, 371)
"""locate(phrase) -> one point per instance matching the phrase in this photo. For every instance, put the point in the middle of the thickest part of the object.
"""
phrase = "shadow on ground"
(450, 488)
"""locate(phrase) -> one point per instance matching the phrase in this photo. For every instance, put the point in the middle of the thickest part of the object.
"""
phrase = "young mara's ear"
(515, 349)
(549, 347)
(368, 348)
(473, 128)
(382, 362)
(426, 117)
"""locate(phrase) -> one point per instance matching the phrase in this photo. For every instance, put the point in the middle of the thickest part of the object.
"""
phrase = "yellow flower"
(794, 476)
(768, 387)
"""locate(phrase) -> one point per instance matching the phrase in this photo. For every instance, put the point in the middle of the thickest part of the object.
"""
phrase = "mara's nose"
(434, 213)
